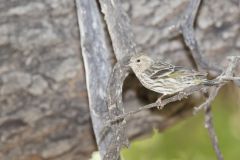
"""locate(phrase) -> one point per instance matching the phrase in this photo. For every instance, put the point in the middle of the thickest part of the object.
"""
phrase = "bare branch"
(211, 132)
(124, 46)
(207, 104)
(209, 100)
(223, 78)
(185, 26)
(115, 83)
(164, 102)
(95, 56)
(208, 119)
(118, 24)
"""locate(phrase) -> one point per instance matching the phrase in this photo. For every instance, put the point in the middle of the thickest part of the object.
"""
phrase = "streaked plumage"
(165, 78)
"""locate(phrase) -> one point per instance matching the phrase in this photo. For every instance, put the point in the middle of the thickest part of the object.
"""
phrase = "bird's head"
(140, 63)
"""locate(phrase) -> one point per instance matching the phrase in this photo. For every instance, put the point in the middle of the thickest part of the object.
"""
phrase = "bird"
(165, 78)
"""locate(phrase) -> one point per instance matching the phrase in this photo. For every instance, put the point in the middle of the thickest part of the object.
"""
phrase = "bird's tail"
(213, 82)
(217, 81)
(221, 79)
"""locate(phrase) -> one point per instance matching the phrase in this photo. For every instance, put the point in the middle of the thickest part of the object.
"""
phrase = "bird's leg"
(159, 102)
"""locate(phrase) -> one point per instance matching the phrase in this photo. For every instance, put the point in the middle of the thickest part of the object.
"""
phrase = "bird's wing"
(187, 74)
(160, 70)
(174, 72)
(187, 71)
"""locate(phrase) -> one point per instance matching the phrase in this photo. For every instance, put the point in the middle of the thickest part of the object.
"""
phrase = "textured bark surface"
(44, 110)
(44, 107)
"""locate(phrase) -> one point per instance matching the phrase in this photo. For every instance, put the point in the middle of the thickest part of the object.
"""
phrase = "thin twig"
(209, 100)
(227, 75)
(211, 132)
(185, 27)
(164, 102)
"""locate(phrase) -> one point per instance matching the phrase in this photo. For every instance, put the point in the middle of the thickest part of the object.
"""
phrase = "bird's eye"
(138, 60)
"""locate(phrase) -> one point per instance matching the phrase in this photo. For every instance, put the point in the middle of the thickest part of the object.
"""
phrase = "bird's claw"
(182, 95)
(159, 103)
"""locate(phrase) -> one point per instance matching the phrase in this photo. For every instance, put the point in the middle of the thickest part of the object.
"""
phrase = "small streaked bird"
(165, 78)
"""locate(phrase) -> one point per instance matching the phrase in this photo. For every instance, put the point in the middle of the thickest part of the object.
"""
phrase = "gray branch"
(118, 25)
(164, 102)
(124, 47)
(186, 27)
(207, 106)
(97, 67)
(226, 76)
(211, 132)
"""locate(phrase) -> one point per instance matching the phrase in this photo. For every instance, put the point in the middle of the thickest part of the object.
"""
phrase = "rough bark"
(44, 110)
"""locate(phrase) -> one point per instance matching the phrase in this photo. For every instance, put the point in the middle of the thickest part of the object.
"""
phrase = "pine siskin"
(165, 78)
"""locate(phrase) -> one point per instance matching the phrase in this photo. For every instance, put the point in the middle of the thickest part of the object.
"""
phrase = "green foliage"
(95, 156)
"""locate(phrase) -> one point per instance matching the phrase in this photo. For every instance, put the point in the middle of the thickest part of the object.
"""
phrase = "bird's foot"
(159, 103)
(182, 95)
